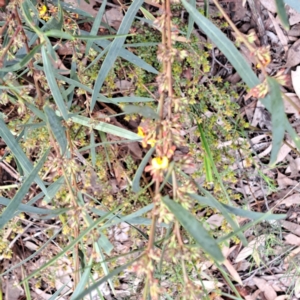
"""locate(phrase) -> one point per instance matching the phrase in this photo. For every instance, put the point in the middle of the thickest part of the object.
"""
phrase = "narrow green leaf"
(133, 99)
(93, 148)
(83, 280)
(235, 58)
(96, 25)
(19, 154)
(55, 296)
(195, 229)
(215, 203)
(253, 215)
(144, 111)
(137, 177)
(34, 210)
(207, 201)
(216, 172)
(49, 72)
(104, 279)
(59, 34)
(295, 4)
(147, 14)
(191, 20)
(17, 265)
(129, 56)
(67, 36)
(105, 127)
(282, 14)
(24, 61)
(224, 44)
(58, 130)
(14, 204)
(114, 50)
(71, 244)
(208, 170)
(55, 23)
(278, 118)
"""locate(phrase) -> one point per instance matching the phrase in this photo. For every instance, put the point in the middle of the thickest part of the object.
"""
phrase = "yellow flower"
(160, 163)
(141, 132)
(42, 12)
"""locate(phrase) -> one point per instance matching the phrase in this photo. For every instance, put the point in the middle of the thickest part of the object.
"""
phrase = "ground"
(162, 162)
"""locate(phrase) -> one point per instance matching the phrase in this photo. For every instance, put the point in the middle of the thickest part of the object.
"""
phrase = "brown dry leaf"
(266, 288)
(113, 17)
(291, 255)
(294, 16)
(270, 5)
(291, 200)
(13, 291)
(296, 81)
(294, 31)
(215, 220)
(124, 85)
(292, 239)
(68, 49)
(297, 162)
(251, 248)
(283, 181)
(282, 37)
(291, 227)
(293, 56)
(283, 152)
(289, 108)
(232, 271)
(254, 296)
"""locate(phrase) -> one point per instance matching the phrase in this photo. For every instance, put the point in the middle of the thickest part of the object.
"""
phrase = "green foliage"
(91, 176)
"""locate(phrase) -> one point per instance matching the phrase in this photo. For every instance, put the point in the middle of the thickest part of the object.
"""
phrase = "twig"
(5, 50)
(256, 16)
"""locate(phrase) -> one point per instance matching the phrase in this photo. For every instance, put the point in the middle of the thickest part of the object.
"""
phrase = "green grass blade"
(49, 72)
(104, 279)
(72, 244)
(191, 20)
(34, 210)
(105, 127)
(57, 22)
(216, 172)
(83, 280)
(253, 215)
(145, 111)
(19, 154)
(207, 201)
(129, 56)
(114, 50)
(225, 45)
(24, 61)
(96, 25)
(278, 118)
(13, 205)
(131, 99)
(215, 203)
(93, 148)
(282, 14)
(17, 265)
(195, 229)
(137, 177)
(58, 130)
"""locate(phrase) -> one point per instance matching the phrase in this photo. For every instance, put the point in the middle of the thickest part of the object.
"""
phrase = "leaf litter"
(261, 119)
